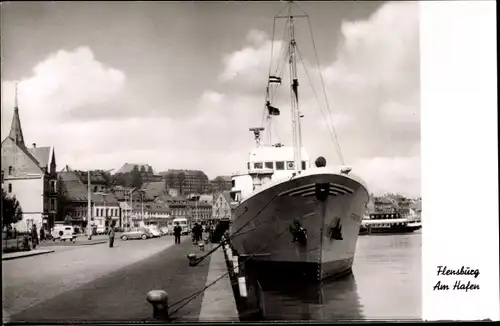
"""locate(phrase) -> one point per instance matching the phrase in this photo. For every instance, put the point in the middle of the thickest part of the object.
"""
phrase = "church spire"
(16, 132)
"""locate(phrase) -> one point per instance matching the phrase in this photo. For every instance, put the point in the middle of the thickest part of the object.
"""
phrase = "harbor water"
(385, 284)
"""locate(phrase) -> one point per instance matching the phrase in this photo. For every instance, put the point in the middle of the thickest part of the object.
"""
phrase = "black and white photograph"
(245, 161)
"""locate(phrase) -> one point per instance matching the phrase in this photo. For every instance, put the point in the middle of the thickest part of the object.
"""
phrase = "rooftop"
(128, 167)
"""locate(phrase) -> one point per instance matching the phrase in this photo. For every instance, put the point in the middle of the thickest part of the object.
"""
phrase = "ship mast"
(297, 133)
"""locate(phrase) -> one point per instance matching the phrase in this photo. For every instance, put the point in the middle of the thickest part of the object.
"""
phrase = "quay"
(114, 285)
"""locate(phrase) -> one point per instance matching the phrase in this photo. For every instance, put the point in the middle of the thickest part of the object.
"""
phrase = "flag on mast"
(271, 109)
(274, 80)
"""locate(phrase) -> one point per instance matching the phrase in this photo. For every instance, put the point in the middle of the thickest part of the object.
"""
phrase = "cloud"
(72, 101)
(372, 86)
(74, 83)
(245, 67)
(397, 175)
(66, 81)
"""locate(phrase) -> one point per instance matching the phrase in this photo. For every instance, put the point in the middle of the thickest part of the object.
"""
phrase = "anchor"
(336, 231)
(298, 232)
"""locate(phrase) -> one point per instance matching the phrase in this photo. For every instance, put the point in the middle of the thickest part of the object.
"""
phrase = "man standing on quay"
(111, 235)
(177, 233)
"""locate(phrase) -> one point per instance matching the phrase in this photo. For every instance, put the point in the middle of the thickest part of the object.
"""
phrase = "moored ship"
(390, 223)
(293, 218)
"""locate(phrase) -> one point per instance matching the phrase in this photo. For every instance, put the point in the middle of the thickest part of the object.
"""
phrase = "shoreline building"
(29, 174)
(221, 183)
(223, 206)
(74, 199)
(148, 174)
(186, 182)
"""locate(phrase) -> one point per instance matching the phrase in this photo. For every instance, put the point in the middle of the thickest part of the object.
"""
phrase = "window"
(233, 183)
(52, 186)
(304, 165)
(290, 165)
(10, 187)
(107, 212)
(257, 165)
(280, 165)
(10, 169)
(248, 165)
(269, 165)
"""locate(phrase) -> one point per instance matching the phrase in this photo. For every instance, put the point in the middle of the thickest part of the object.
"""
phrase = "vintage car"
(136, 233)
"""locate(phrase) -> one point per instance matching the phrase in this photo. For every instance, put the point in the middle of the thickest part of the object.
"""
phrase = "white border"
(459, 156)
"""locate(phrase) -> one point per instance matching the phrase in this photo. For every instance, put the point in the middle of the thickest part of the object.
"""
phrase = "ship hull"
(266, 222)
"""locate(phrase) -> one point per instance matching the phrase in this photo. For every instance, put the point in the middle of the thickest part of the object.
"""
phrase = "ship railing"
(384, 221)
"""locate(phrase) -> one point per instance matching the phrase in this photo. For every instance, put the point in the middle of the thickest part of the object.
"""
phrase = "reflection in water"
(385, 284)
(336, 299)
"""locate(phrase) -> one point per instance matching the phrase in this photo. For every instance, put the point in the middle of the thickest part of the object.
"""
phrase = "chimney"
(34, 145)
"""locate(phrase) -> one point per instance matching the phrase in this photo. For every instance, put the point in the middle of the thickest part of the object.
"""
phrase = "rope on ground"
(194, 295)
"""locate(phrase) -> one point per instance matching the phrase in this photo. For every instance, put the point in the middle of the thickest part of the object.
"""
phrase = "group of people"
(196, 231)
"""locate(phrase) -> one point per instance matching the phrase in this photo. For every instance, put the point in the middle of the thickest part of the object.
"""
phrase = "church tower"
(16, 132)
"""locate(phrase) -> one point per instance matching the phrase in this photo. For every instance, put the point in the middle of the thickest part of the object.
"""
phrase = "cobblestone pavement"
(121, 295)
(32, 280)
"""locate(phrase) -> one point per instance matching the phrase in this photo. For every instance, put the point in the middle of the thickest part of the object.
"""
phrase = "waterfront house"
(29, 174)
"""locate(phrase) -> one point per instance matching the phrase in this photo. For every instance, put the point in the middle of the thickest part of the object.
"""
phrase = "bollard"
(201, 245)
(159, 300)
(192, 259)
(235, 264)
(242, 286)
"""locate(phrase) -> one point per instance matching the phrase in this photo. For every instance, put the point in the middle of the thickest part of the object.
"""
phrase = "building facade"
(201, 212)
(29, 174)
(148, 174)
(221, 183)
(222, 206)
(105, 207)
(186, 181)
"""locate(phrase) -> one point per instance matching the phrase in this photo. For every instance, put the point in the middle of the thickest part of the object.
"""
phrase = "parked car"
(155, 231)
(101, 229)
(63, 232)
(136, 233)
(164, 230)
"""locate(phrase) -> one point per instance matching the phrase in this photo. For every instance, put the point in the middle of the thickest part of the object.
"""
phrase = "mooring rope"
(194, 295)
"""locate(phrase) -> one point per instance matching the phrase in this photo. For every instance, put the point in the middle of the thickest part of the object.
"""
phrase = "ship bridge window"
(280, 165)
(233, 183)
(303, 165)
(248, 165)
(257, 165)
(289, 165)
(269, 165)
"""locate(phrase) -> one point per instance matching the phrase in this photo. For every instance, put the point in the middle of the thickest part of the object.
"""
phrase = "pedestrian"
(177, 233)
(111, 235)
(193, 233)
(42, 234)
(34, 236)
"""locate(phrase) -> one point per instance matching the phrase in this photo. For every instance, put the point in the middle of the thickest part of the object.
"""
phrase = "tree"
(136, 177)
(11, 210)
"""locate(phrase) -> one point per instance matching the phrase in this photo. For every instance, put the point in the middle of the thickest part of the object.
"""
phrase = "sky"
(178, 84)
